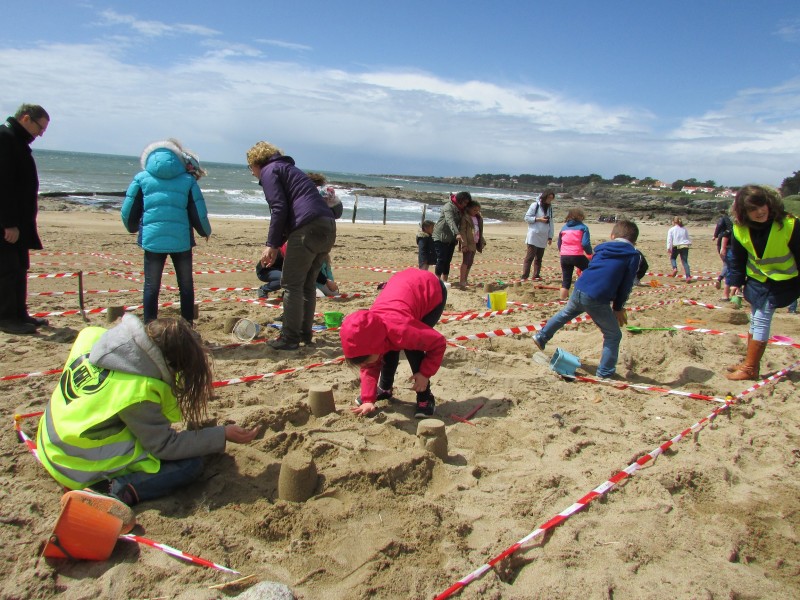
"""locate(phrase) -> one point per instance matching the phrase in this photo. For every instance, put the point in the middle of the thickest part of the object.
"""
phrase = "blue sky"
(668, 89)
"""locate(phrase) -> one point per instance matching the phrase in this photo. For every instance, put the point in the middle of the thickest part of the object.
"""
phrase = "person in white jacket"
(678, 243)
(540, 233)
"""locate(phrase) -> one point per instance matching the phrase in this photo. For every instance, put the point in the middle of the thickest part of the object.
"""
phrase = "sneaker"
(281, 343)
(17, 327)
(307, 339)
(426, 407)
(538, 342)
(106, 504)
(263, 294)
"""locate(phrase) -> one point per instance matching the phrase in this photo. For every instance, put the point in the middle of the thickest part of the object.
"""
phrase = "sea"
(231, 191)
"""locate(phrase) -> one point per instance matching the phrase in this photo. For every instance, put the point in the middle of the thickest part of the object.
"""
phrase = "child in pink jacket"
(401, 318)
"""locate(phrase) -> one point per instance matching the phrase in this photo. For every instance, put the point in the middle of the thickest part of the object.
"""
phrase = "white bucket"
(245, 330)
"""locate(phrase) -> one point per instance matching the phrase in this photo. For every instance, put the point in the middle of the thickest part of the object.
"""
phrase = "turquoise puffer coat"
(164, 203)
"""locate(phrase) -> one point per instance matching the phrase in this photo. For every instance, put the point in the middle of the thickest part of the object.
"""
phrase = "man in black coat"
(19, 192)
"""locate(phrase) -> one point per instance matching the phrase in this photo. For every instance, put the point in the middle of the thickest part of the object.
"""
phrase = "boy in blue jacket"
(601, 292)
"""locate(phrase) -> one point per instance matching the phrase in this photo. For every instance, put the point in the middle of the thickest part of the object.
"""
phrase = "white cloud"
(221, 102)
(285, 45)
(151, 28)
(789, 30)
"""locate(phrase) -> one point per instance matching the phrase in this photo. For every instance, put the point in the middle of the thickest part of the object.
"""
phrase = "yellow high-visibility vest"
(777, 262)
(80, 438)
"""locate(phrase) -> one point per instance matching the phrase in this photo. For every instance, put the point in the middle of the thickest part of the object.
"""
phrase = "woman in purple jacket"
(301, 218)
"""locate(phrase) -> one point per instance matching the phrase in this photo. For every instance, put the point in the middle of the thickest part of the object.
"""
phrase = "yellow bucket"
(498, 300)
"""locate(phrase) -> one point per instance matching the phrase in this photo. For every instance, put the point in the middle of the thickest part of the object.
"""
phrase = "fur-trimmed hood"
(164, 166)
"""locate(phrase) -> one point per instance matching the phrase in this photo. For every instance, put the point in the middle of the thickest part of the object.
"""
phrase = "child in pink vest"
(575, 248)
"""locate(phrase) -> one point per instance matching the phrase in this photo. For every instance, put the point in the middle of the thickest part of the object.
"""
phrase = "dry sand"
(716, 516)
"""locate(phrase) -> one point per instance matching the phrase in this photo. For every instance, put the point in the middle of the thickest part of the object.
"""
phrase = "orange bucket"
(83, 532)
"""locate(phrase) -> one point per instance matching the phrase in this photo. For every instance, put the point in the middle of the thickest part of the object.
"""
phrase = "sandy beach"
(715, 516)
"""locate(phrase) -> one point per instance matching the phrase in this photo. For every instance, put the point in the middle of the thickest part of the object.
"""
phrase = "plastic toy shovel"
(635, 329)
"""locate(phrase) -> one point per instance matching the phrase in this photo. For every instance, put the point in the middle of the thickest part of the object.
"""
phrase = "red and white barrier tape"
(249, 378)
(602, 489)
(622, 385)
(31, 445)
(177, 553)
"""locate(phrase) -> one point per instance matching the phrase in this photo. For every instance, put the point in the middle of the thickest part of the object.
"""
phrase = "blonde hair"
(260, 154)
(677, 221)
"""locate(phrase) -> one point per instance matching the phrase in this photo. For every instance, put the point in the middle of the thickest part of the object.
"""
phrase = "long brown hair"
(189, 361)
(753, 196)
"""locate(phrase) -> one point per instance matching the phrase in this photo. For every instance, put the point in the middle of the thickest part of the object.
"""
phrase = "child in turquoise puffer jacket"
(164, 205)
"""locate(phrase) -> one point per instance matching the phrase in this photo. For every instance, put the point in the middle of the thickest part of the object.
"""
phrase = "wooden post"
(80, 296)
(355, 208)
(384, 211)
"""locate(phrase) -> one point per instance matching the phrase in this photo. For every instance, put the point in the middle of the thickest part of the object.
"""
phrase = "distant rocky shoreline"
(596, 200)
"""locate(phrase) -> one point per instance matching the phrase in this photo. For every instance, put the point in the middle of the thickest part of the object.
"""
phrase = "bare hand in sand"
(366, 408)
(268, 256)
(420, 382)
(240, 435)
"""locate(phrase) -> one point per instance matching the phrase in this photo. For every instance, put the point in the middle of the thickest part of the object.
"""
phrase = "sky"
(678, 89)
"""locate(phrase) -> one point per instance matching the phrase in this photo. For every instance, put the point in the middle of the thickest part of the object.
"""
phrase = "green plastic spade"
(635, 329)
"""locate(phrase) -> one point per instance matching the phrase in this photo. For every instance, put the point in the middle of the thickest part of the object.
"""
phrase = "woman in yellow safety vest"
(766, 253)
(108, 424)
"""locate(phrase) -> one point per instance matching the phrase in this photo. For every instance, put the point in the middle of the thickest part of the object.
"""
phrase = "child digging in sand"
(601, 292)
(108, 424)
(401, 318)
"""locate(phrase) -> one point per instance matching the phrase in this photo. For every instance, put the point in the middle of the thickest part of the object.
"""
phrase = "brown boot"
(737, 366)
(750, 367)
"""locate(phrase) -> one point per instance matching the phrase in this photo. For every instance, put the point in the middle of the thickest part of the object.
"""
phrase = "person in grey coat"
(446, 232)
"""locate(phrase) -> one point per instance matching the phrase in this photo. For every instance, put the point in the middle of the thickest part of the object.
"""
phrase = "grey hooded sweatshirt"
(127, 348)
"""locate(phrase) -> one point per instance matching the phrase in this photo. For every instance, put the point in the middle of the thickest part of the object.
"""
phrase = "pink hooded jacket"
(394, 322)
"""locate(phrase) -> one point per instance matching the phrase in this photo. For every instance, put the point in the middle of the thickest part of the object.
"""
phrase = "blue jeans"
(684, 254)
(172, 476)
(603, 317)
(761, 320)
(154, 269)
(272, 280)
(306, 249)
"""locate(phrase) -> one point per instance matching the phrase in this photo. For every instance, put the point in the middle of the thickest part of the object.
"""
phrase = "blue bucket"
(564, 363)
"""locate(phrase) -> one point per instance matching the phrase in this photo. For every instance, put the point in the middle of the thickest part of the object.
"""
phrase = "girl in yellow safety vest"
(766, 253)
(108, 424)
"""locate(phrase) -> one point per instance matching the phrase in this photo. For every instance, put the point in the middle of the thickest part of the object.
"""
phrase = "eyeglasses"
(42, 128)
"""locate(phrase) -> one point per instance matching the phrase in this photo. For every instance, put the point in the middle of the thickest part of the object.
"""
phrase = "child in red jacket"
(401, 318)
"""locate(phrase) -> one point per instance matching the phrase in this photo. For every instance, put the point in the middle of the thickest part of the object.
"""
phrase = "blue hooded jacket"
(610, 275)
(163, 202)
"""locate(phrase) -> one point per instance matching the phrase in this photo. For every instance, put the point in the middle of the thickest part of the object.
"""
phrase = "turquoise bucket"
(564, 363)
